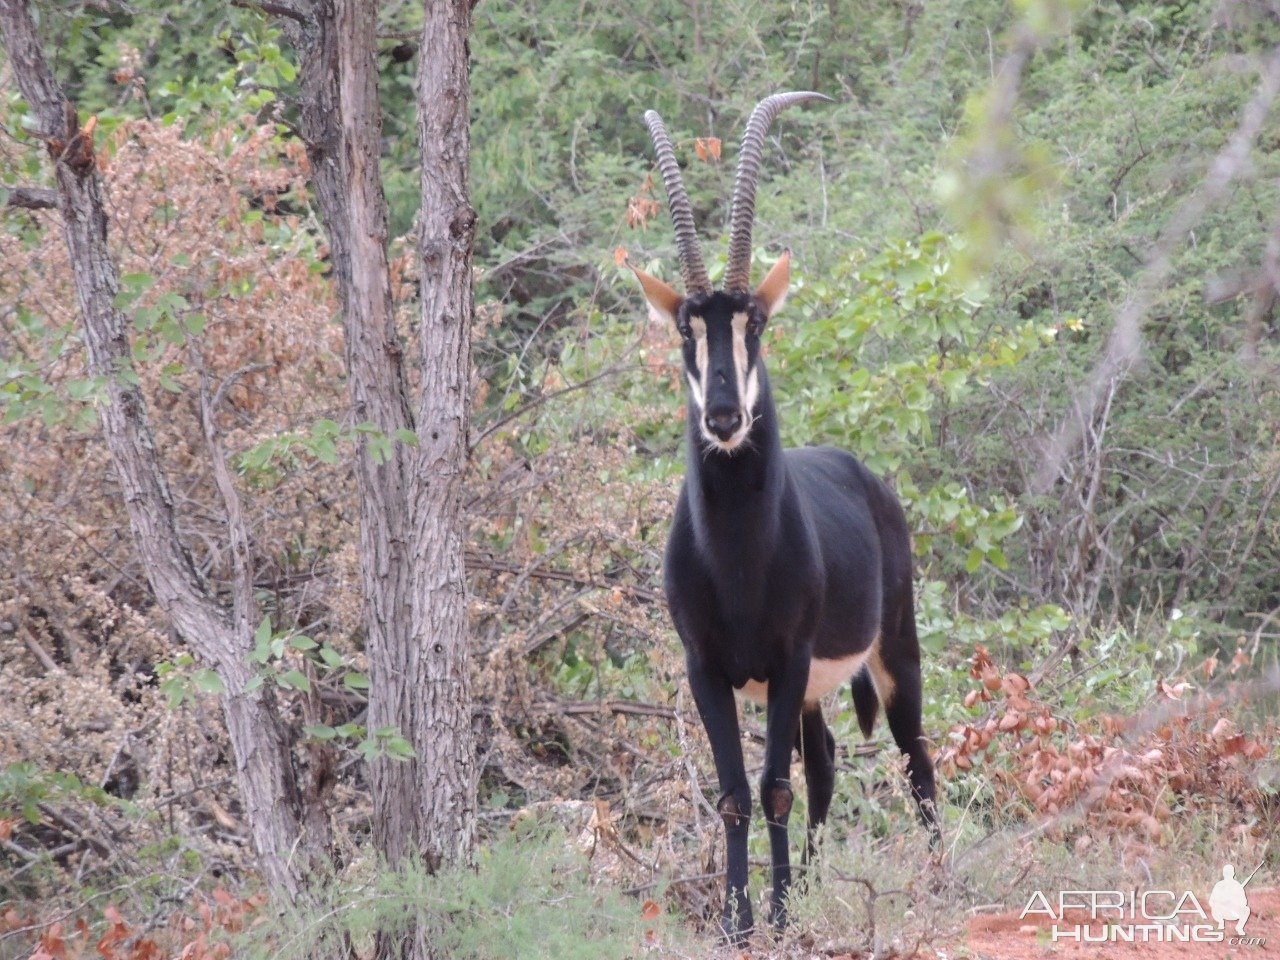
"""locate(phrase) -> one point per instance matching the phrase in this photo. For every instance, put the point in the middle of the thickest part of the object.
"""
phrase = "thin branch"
(1124, 345)
(478, 561)
(242, 595)
(38, 651)
(31, 198)
(230, 381)
(538, 401)
(275, 9)
(175, 581)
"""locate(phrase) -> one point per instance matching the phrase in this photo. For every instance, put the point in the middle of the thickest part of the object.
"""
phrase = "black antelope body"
(788, 572)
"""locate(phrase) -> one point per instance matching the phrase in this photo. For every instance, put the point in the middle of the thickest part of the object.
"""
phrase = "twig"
(476, 561)
(673, 882)
(32, 198)
(537, 643)
(18, 850)
(275, 9)
(544, 398)
(230, 381)
(588, 707)
(1124, 344)
(38, 651)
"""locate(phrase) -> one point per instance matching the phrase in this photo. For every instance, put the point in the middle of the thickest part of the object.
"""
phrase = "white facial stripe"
(698, 383)
(695, 388)
(752, 393)
(740, 355)
(748, 383)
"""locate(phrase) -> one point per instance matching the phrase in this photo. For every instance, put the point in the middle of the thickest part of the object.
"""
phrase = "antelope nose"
(724, 424)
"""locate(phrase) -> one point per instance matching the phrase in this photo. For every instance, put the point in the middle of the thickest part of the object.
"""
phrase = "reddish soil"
(1005, 937)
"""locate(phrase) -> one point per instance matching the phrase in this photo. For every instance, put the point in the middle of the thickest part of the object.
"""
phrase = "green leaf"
(398, 748)
(331, 657)
(294, 680)
(137, 282)
(303, 642)
(208, 681)
(175, 690)
(356, 681)
(262, 642)
(320, 732)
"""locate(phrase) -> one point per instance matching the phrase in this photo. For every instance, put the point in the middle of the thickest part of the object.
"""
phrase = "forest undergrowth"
(1100, 662)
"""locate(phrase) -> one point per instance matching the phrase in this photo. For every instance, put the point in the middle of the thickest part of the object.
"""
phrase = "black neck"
(734, 497)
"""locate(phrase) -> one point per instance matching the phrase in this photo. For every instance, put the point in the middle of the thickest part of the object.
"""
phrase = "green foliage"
(288, 661)
(207, 61)
(942, 384)
(179, 682)
(617, 675)
(24, 787)
(529, 895)
(25, 387)
(845, 384)
(267, 462)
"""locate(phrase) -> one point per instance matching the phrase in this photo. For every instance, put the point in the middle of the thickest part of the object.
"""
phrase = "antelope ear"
(664, 302)
(772, 291)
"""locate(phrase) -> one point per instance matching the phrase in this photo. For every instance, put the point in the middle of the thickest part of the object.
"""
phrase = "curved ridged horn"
(737, 275)
(691, 266)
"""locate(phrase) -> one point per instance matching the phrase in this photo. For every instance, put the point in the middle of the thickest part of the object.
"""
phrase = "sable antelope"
(788, 572)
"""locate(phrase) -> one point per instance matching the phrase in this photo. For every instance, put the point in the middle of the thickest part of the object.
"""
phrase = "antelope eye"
(686, 333)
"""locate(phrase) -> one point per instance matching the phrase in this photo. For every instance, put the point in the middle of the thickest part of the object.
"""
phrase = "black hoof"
(778, 917)
(736, 922)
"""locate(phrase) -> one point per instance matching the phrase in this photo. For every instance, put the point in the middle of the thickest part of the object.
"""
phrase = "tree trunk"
(440, 678)
(341, 122)
(261, 743)
(411, 526)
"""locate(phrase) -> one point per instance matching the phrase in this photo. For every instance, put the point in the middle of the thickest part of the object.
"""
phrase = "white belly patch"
(824, 676)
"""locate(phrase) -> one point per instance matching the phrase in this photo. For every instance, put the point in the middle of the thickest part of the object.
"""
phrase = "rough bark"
(411, 535)
(31, 198)
(411, 527)
(267, 778)
(442, 711)
(341, 122)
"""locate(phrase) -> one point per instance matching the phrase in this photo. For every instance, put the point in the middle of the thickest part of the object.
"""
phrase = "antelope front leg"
(786, 696)
(714, 696)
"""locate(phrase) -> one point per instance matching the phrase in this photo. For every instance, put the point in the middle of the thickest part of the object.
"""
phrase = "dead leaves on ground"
(194, 934)
(1128, 774)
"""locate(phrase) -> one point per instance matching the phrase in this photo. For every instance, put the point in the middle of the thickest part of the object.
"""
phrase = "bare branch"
(244, 608)
(269, 788)
(174, 579)
(1124, 346)
(31, 198)
(287, 10)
